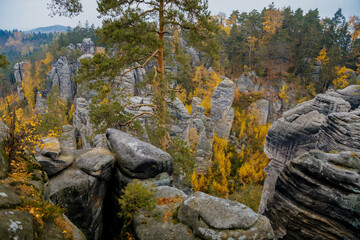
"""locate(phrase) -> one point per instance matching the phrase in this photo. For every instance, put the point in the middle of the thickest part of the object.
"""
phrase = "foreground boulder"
(317, 197)
(215, 218)
(136, 158)
(16, 225)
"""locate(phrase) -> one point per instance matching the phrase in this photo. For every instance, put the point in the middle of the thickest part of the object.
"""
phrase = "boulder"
(100, 141)
(222, 114)
(54, 165)
(82, 195)
(16, 225)
(136, 158)
(215, 218)
(262, 105)
(165, 226)
(50, 231)
(317, 197)
(51, 147)
(8, 198)
(98, 162)
(246, 82)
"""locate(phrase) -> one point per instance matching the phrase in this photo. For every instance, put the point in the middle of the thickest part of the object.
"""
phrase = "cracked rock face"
(215, 218)
(317, 197)
(222, 114)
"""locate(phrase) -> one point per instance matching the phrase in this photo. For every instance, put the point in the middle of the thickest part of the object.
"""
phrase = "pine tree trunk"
(161, 68)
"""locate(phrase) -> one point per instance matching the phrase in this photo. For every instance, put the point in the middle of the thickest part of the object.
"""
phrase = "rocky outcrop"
(4, 160)
(222, 114)
(322, 123)
(19, 77)
(88, 46)
(350, 94)
(261, 108)
(82, 195)
(247, 82)
(136, 158)
(131, 80)
(61, 75)
(68, 137)
(317, 197)
(81, 120)
(215, 218)
(201, 135)
(16, 225)
(180, 119)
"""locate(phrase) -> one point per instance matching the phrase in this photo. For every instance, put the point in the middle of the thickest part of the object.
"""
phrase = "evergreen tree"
(3, 62)
(138, 32)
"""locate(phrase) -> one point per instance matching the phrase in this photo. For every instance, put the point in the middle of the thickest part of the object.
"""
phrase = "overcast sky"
(29, 14)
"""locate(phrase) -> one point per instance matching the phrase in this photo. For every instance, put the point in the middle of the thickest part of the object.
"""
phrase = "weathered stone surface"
(262, 105)
(180, 119)
(68, 138)
(222, 114)
(101, 141)
(98, 162)
(51, 147)
(317, 197)
(164, 227)
(4, 160)
(215, 218)
(54, 165)
(340, 132)
(136, 158)
(81, 120)
(61, 75)
(350, 94)
(131, 80)
(50, 232)
(19, 77)
(16, 225)
(88, 46)
(82, 195)
(246, 83)
(8, 198)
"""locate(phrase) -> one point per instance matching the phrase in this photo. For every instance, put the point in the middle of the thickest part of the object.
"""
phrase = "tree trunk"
(161, 91)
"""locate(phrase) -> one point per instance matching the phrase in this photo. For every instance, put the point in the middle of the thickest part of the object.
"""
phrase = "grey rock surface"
(214, 218)
(98, 162)
(16, 225)
(317, 197)
(222, 114)
(263, 107)
(61, 75)
(88, 46)
(8, 198)
(246, 83)
(136, 158)
(81, 120)
(180, 119)
(350, 94)
(82, 195)
(51, 147)
(55, 165)
(40, 103)
(68, 138)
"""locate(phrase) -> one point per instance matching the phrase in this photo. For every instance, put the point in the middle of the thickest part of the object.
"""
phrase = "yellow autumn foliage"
(343, 74)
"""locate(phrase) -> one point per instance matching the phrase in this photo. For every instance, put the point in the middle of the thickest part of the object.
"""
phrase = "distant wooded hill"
(49, 29)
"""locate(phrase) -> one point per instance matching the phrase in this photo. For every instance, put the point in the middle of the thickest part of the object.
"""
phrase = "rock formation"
(4, 160)
(222, 114)
(323, 123)
(180, 119)
(81, 120)
(317, 197)
(88, 46)
(213, 218)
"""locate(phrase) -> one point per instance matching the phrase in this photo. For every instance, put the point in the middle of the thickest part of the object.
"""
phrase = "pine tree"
(138, 30)
(3, 62)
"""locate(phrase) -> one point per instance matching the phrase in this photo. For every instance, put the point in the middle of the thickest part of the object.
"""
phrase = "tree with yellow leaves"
(343, 74)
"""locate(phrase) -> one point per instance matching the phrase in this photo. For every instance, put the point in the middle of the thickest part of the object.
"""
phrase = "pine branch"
(134, 118)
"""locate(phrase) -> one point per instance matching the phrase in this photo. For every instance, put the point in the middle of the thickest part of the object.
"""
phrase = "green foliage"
(136, 197)
(183, 160)
(55, 115)
(3, 62)
(70, 8)
(250, 196)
